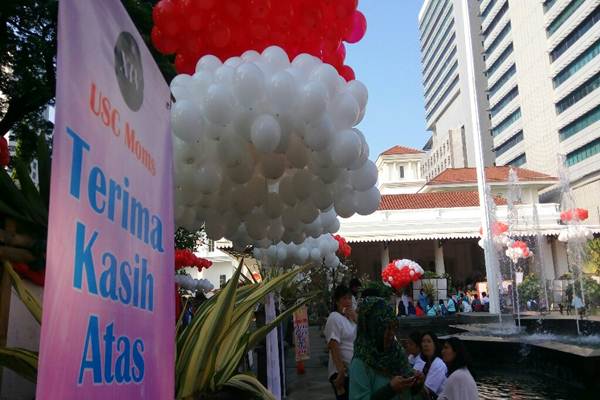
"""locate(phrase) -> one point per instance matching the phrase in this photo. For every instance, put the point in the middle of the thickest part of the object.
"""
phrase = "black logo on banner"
(129, 71)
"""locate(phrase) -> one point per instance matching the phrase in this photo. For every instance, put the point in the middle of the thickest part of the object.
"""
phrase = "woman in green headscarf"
(380, 368)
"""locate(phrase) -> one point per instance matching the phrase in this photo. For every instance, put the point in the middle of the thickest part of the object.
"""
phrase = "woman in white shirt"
(432, 366)
(413, 348)
(340, 332)
(460, 384)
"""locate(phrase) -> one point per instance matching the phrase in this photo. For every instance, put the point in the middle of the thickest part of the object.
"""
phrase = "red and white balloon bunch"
(500, 235)
(312, 250)
(266, 150)
(575, 231)
(194, 28)
(518, 250)
(400, 273)
(574, 215)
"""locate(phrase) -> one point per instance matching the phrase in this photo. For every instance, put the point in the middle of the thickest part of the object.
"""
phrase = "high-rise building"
(543, 84)
(446, 83)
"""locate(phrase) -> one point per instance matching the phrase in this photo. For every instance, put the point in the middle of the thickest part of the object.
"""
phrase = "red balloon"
(359, 27)
(163, 43)
(185, 64)
(347, 73)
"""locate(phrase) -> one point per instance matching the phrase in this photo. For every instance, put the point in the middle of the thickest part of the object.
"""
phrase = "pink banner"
(301, 334)
(108, 323)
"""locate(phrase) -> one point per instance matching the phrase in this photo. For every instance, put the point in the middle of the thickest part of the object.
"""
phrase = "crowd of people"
(459, 302)
(367, 362)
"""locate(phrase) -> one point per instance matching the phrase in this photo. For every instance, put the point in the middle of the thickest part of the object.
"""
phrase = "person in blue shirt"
(423, 300)
(451, 306)
(431, 307)
(443, 309)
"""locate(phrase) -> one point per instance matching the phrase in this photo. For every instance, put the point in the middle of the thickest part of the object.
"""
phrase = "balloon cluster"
(344, 248)
(574, 215)
(189, 283)
(265, 150)
(315, 250)
(517, 250)
(400, 273)
(500, 235)
(192, 29)
(185, 258)
(576, 233)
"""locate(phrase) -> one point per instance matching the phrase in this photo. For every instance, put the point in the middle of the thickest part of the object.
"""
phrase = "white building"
(446, 84)
(437, 222)
(543, 72)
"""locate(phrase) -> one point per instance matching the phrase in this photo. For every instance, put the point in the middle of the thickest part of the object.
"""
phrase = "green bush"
(530, 289)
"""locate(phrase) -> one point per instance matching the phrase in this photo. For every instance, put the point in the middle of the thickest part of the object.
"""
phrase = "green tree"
(593, 256)
(28, 43)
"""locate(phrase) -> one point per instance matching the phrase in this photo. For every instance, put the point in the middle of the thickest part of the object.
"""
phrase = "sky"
(387, 61)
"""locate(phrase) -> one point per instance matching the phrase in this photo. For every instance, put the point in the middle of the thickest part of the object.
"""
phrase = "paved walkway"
(313, 385)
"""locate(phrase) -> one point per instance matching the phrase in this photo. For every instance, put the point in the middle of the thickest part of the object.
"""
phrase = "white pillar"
(440, 267)
(547, 259)
(561, 262)
(491, 263)
(385, 255)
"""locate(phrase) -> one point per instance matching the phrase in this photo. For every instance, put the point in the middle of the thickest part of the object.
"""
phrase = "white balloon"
(286, 191)
(343, 203)
(346, 148)
(257, 190)
(315, 255)
(303, 255)
(250, 55)
(302, 182)
(234, 61)
(248, 83)
(242, 202)
(360, 93)
(272, 165)
(186, 121)
(364, 151)
(327, 75)
(364, 177)
(306, 211)
(312, 101)
(273, 205)
(275, 231)
(224, 75)
(209, 179)
(180, 87)
(305, 63)
(296, 153)
(218, 104)
(275, 56)
(282, 91)
(367, 202)
(318, 134)
(265, 133)
(281, 254)
(289, 218)
(208, 62)
(344, 111)
(241, 173)
(255, 225)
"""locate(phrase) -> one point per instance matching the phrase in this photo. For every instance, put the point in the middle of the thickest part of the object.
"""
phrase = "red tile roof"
(396, 150)
(415, 201)
(492, 174)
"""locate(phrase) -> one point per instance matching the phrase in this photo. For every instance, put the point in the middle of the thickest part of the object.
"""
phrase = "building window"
(496, 19)
(577, 64)
(510, 96)
(503, 79)
(586, 88)
(401, 171)
(498, 39)
(578, 32)
(517, 162)
(211, 245)
(584, 152)
(501, 58)
(563, 16)
(443, 97)
(580, 123)
(509, 144)
(428, 47)
(447, 59)
(548, 4)
(445, 79)
(487, 9)
(222, 280)
(506, 122)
